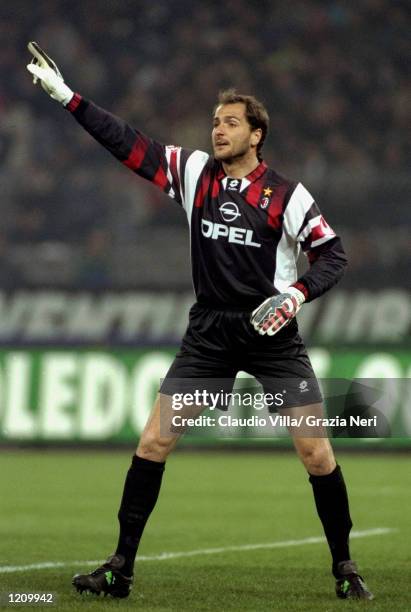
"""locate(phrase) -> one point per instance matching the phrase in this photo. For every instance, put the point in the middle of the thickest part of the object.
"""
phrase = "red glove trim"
(301, 287)
(74, 102)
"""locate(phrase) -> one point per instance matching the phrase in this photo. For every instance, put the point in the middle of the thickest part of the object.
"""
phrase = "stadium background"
(88, 252)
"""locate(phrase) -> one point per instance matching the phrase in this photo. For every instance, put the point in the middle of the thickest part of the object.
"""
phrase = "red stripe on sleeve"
(160, 178)
(174, 169)
(137, 154)
(74, 102)
(321, 230)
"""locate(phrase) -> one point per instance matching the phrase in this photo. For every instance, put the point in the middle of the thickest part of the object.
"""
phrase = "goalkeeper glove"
(277, 311)
(44, 68)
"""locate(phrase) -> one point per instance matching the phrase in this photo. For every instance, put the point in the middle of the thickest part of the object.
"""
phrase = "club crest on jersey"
(229, 211)
(266, 199)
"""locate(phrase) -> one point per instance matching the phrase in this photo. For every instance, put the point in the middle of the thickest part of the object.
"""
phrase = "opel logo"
(229, 211)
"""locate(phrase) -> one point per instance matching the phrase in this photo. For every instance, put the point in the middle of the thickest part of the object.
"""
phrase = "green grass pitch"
(61, 507)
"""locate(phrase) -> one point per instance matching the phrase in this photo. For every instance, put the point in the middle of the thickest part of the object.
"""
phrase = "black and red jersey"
(246, 234)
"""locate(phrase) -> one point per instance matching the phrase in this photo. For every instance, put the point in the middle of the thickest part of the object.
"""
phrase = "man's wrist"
(65, 94)
(302, 288)
(74, 102)
(297, 294)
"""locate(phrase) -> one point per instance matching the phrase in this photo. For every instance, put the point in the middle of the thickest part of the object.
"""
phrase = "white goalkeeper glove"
(277, 311)
(42, 67)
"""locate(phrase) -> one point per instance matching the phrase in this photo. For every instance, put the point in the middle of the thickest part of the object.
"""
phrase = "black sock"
(331, 499)
(140, 494)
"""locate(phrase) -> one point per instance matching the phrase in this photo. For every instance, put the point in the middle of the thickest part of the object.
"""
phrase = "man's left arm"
(327, 266)
(305, 225)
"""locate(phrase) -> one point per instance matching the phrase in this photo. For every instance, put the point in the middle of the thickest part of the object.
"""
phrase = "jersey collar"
(257, 172)
(253, 176)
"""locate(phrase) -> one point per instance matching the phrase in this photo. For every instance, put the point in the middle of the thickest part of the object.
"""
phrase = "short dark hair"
(256, 113)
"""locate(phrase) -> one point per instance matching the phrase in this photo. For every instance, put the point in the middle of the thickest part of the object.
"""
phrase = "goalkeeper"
(247, 226)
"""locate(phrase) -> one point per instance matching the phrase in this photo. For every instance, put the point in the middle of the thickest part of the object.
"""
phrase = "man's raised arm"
(158, 163)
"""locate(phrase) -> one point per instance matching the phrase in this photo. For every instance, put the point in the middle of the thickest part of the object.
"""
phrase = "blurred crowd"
(332, 74)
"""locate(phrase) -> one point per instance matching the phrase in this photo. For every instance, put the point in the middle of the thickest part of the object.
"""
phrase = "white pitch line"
(9, 569)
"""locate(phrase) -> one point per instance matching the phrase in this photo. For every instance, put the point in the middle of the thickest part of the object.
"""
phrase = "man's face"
(232, 136)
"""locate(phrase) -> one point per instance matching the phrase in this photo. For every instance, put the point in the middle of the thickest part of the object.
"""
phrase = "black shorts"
(218, 344)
